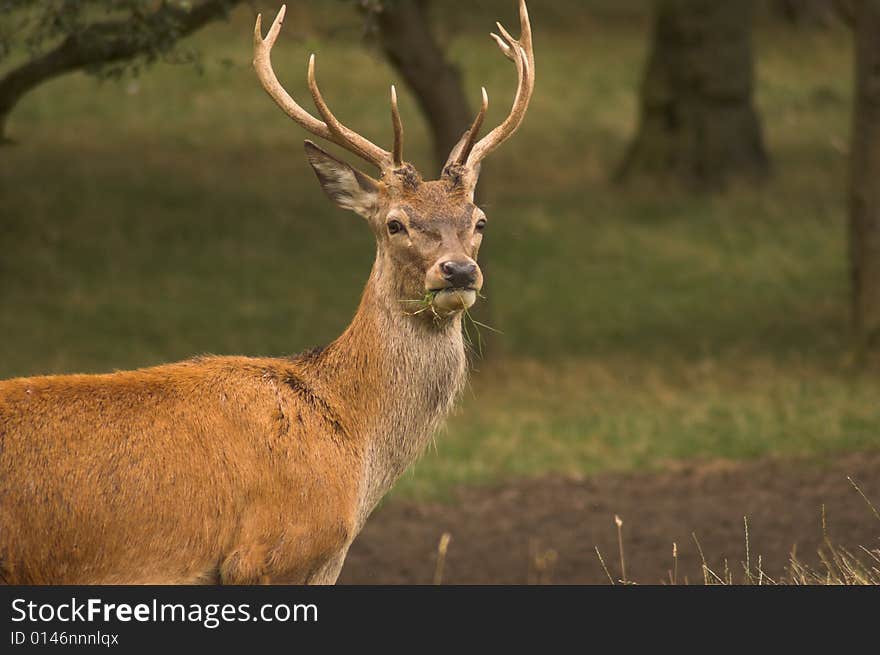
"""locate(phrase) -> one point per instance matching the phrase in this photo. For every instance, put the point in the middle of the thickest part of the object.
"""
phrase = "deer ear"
(344, 185)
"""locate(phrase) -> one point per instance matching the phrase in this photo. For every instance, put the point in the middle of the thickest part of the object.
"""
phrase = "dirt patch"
(500, 534)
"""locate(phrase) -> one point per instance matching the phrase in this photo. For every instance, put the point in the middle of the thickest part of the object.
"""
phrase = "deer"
(260, 470)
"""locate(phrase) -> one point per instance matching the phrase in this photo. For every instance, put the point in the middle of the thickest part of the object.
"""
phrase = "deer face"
(428, 233)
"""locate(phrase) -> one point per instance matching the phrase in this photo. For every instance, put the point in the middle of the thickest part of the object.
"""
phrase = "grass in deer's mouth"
(469, 323)
(423, 304)
(475, 347)
(426, 302)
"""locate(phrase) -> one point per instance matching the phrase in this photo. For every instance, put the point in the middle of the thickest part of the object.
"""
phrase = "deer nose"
(459, 274)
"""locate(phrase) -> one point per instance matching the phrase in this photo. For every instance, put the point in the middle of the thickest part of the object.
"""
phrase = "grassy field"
(152, 219)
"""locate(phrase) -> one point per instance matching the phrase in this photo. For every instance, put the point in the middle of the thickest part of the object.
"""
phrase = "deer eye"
(481, 225)
(395, 226)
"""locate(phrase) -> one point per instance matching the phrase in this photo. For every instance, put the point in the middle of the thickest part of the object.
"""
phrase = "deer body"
(218, 469)
(250, 470)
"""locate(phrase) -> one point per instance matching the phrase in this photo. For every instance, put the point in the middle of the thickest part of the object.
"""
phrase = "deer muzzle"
(454, 283)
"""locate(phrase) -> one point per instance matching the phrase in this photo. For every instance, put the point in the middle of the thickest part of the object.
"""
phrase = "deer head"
(428, 232)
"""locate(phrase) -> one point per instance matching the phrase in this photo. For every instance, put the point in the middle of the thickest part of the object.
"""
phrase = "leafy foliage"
(152, 29)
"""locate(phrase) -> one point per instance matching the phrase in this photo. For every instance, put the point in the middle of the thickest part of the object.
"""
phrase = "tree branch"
(105, 43)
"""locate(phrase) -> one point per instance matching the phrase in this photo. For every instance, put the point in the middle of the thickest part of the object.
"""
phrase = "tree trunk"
(698, 125)
(102, 43)
(805, 12)
(408, 43)
(864, 192)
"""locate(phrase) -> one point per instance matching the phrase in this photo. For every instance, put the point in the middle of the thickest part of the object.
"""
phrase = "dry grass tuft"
(442, 549)
(840, 566)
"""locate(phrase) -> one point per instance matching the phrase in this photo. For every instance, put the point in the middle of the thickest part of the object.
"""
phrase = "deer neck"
(395, 377)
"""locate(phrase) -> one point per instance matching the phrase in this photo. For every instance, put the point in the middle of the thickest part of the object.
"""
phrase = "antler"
(330, 128)
(521, 53)
(398, 129)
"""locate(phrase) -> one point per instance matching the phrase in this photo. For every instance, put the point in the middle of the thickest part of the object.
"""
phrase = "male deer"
(250, 470)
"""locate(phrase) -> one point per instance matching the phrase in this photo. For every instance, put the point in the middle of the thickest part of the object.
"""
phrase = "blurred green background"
(171, 214)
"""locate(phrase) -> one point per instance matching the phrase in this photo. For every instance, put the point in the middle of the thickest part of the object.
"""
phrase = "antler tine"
(344, 136)
(263, 67)
(519, 51)
(506, 42)
(506, 49)
(397, 151)
(332, 129)
(525, 26)
(474, 131)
